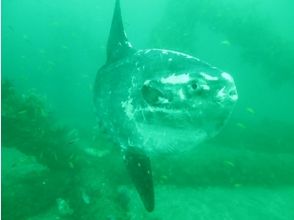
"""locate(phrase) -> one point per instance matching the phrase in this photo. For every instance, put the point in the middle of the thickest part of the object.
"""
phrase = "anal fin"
(139, 168)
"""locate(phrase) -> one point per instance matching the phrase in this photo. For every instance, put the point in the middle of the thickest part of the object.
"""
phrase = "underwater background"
(57, 164)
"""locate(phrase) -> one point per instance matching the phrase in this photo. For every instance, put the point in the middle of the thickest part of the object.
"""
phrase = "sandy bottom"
(219, 204)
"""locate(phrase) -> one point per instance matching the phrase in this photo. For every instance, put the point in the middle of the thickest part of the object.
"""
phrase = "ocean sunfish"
(155, 101)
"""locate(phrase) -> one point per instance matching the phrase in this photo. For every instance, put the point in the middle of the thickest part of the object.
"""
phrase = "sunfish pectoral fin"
(118, 45)
(139, 167)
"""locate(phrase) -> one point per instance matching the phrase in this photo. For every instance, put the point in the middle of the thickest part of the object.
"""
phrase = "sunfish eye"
(194, 85)
(194, 88)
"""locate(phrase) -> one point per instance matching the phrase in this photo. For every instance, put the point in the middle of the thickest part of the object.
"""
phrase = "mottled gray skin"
(163, 101)
(157, 101)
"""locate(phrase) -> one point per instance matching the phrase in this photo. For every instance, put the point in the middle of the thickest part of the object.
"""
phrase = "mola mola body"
(156, 101)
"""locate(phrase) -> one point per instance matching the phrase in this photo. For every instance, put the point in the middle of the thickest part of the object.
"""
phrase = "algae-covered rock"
(28, 187)
(48, 172)
(31, 128)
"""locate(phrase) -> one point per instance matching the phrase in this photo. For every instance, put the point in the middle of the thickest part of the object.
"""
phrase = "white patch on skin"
(221, 93)
(227, 77)
(163, 100)
(85, 197)
(234, 97)
(133, 83)
(205, 87)
(173, 79)
(208, 77)
(128, 107)
(189, 57)
(170, 59)
(181, 94)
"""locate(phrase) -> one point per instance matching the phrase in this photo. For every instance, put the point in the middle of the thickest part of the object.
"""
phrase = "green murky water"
(57, 163)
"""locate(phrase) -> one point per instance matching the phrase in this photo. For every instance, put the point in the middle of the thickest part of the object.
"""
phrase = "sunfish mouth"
(228, 92)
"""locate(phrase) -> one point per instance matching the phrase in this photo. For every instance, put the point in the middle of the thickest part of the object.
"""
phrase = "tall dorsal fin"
(118, 45)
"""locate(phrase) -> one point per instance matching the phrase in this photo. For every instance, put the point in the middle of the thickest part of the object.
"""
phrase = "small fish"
(250, 110)
(102, 153)
(163, 179)
(55, 156)
(64, 47)
(237, 185)
(71, 165)
(42, 51)
(86, 197)
(22, 112)
(63, 207)
(71, 156)
(73, 132)
(55, 23)
(74, 141)
(25, 37)
(241, 125)
(41, 155)
(226, 43)
(52, 63)
(229, 163)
